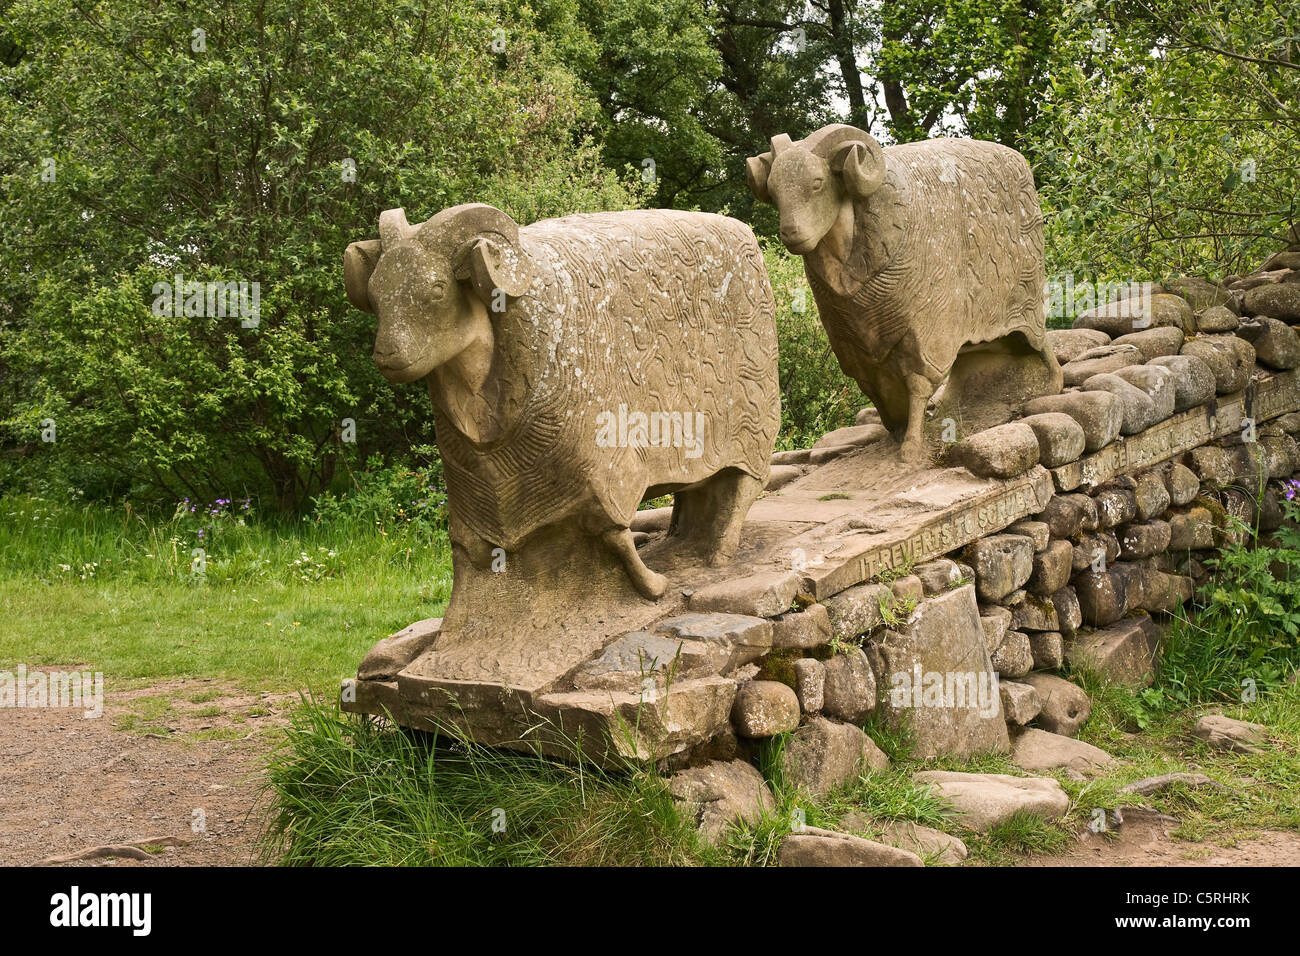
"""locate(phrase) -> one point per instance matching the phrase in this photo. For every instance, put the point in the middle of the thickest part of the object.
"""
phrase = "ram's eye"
(818, 182)
(439, 289)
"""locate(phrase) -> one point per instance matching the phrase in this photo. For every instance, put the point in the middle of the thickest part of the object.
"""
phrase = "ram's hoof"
(651, 585)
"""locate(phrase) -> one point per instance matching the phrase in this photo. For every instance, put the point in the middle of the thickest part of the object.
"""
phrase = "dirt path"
(1144, 840)
(140, 772)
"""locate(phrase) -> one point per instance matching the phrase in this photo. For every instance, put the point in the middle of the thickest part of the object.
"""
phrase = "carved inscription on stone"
(936, 535)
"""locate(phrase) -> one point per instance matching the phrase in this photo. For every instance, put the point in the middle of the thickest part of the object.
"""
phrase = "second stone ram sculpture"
(914, 253)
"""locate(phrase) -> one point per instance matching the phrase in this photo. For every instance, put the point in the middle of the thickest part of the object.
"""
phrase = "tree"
(973, 68)
(1167, 143)
(772, 80)
(251, 142)
(650, 69)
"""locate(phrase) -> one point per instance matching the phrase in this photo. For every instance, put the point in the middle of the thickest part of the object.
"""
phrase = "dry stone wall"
(1169, 440)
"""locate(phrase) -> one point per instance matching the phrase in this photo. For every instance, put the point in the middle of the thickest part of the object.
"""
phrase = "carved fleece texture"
(661, 311)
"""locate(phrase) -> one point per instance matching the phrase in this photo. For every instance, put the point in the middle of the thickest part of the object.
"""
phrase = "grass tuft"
(347, 790)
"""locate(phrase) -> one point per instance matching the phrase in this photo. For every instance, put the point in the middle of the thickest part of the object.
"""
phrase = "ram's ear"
(359, 261)
(496, 265)
(756, 172)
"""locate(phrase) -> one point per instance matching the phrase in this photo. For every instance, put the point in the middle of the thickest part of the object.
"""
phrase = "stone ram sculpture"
(578, 366)
(912, 252)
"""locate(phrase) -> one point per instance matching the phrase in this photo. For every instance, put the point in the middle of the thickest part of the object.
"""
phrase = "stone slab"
(377, 697)
(937, 682)
(983, 800)
(1263, 400)
(923, 526)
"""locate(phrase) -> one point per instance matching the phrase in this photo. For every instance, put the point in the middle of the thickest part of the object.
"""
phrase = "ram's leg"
(1056, 378)
(649, 584)
(734, 492)
(888, 393)
(707, 517)
(919, 390)
(714, 513)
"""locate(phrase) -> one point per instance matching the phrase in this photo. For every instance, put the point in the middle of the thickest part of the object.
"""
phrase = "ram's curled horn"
(359, 260)
(853, 153)
(862, 168)
(454, 231)
(482, 244)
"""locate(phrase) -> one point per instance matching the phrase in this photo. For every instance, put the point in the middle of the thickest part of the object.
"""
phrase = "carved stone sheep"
(578, 366)
(912, 252)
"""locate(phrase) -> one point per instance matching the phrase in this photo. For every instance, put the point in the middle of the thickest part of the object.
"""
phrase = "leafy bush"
(1244, 629)
(390, 496)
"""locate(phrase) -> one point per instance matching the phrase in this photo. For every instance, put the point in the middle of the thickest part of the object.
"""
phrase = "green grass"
(1257, 792)
(351, 790)
(1259, 788)
(1023, 833)
(347, 790)
(119, 593)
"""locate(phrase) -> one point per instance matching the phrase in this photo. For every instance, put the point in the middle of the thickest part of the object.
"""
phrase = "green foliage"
(1221, 812)
(1164, 144)
(897, 739)
(767, 84)
(1241, 638)
(1245, 633)
(229, 156)
(973, 68)
(895, 611)
(390, 497)
(816, 396)
(652, 69)
(873, 797)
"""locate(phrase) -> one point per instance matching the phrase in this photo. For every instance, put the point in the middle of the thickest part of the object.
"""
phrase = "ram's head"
(809, 181)
(433, 286)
